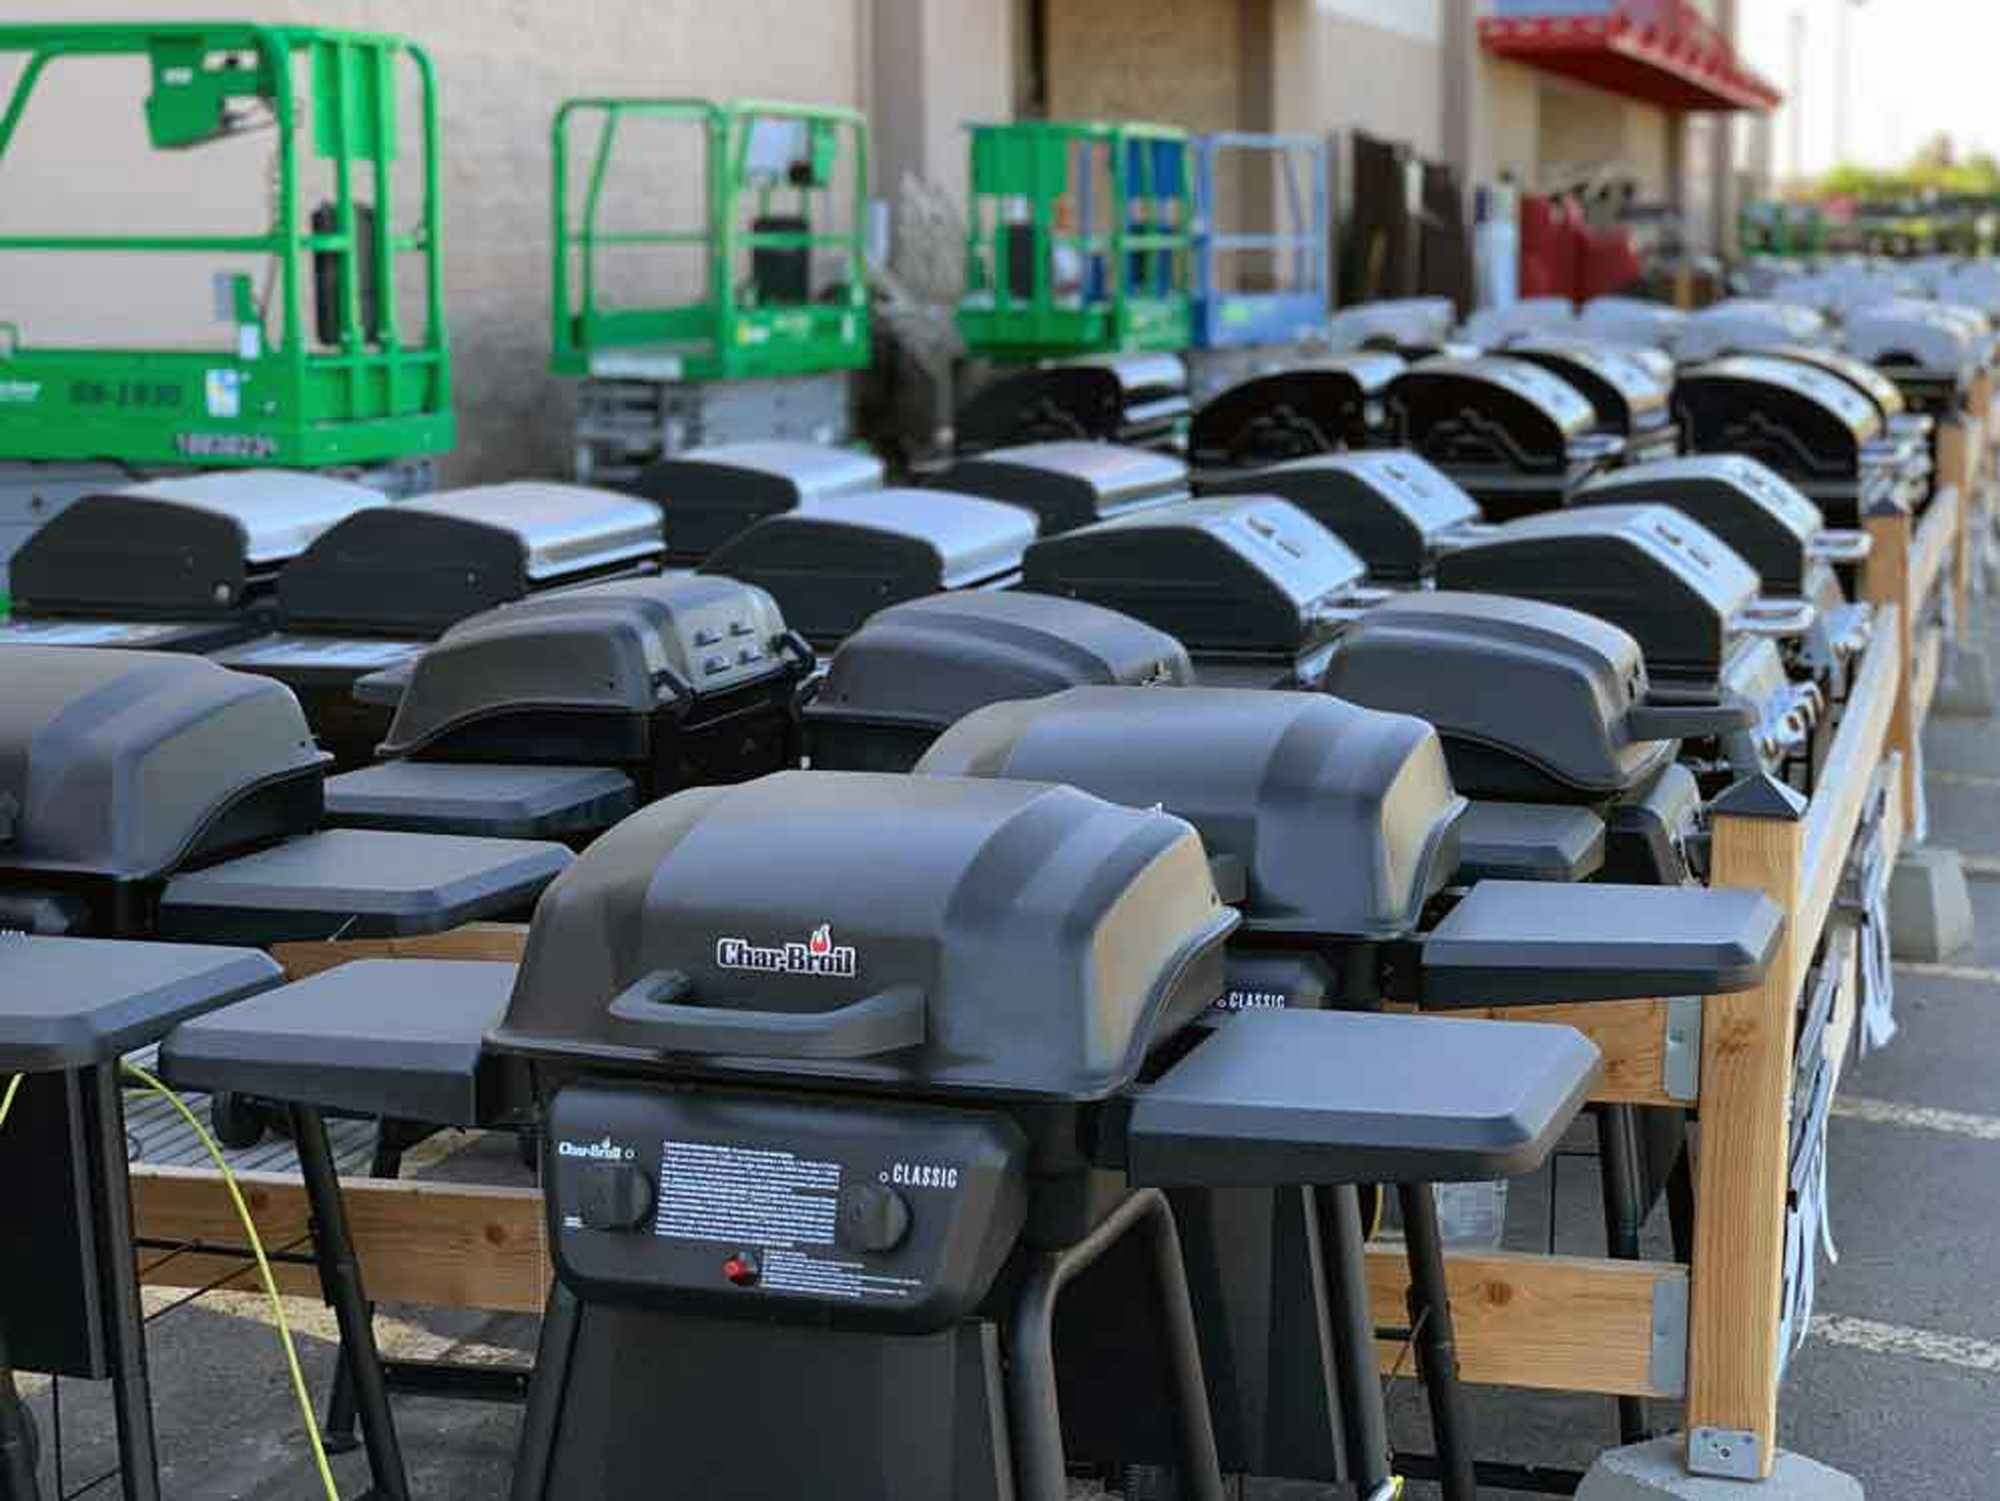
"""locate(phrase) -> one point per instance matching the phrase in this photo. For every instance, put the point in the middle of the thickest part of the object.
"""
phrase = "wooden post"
(1741, 1163)
(1886, 582)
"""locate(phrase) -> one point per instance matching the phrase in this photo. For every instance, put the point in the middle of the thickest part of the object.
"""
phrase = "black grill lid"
(1510, 684)
(626, 647)
(1070, 483)
(927, 932)
(1342, 817)
(1495, 416)
(1109, 398)
(1389, 505)
(1628, 398)
(921, 665)
(1236, 575)
(1762, 517)
(1800, 421)
(413, 568)
(116, 763)
(196, 547)
(711, 493)
(1311, 408)
(832, 567)
(1675, 585)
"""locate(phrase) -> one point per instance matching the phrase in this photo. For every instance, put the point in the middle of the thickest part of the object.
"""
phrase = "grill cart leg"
(340, 1283)
(124, 1317)
(1436, 1345)
(1624, 1208)
(1364, 1420)
(1033, 1411)
(338, 1431)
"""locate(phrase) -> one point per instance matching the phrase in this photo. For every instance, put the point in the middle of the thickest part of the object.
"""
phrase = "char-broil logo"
(817, 955)
(606, 1150)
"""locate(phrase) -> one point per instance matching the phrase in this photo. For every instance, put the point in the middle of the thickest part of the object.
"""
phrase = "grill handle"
(1650, 720)
(657, 1007)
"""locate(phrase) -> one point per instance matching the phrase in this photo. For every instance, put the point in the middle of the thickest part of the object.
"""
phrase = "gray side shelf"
(497, 802)
(1529, 842)
(71, 1002)
(1514, 942)
(357, 883)
(401, 1038)
(1294, 1097)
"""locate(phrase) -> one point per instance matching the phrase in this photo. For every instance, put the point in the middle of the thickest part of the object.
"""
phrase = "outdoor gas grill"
(852, 1082)
(70, 1008)
(1770, 525)
(1068, 484)
(1628, 395)
(1394, 509)
(1251, 585)
(833, 566)
(1710, 640)
(1541, 704)
(1929, 349)
(372, 590)
(1516, 438)
(554, 717)
(1123, 398)
(185, 564)
(1813, 428)
(1343, 825)
(709, 494)
(1317, 407)
(161, 795)
(1739, 323)
(916, 668)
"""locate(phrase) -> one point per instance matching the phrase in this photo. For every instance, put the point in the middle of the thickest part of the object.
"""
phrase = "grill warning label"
(756, 1197)
(776, 1203)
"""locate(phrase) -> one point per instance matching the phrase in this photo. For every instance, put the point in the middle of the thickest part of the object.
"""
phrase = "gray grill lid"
(623, 647)
(198, 546)
(1672, 583)
(1746, 323)
(1631, 321)
(1506, 678)
(1389, 505)
(711, 493)
(420, 565)
(1070, 484)
(1342, 817)
(924, 932)
(927, 662)
(1248, 574)
(833, 566)
(1760, 515)
(114, 763)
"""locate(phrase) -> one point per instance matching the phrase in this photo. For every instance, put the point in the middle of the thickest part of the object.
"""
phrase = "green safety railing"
(1034, 202)
(352, 385)
(738, 326)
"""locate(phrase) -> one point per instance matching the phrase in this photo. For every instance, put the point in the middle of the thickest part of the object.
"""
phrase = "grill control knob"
(871, 1217)
(614, 1196)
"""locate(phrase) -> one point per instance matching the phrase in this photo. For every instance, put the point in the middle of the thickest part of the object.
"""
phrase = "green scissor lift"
(323, 365)
(1079, 241)
(743, 324)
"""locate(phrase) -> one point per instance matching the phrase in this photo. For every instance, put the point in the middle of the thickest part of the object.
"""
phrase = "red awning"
(1663, 52)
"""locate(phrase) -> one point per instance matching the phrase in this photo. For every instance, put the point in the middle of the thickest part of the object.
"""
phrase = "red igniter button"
(742, 1269)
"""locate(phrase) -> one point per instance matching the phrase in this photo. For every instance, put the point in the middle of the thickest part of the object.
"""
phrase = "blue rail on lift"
(1300, 305)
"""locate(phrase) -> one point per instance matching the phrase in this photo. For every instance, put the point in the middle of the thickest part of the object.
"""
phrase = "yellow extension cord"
(257, 1249)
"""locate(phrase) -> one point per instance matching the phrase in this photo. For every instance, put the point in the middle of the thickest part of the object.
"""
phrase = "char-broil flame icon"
(821, 941)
